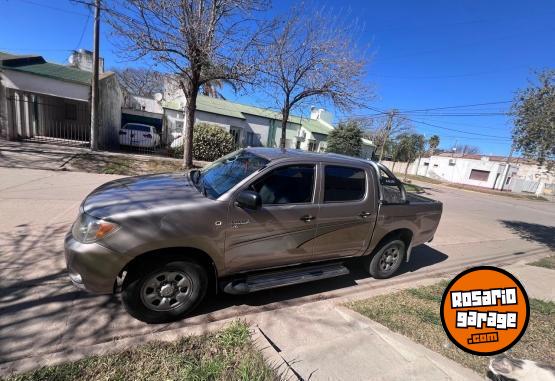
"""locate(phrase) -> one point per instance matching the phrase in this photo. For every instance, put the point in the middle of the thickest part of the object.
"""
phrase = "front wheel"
(166, 293)
(387, 260)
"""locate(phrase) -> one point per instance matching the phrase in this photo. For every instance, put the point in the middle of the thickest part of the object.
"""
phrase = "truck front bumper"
(91, 266)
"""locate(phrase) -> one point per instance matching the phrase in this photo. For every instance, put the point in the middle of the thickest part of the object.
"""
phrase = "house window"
(178, 126)
(253, 139)
(312, 146)
(298, 146)
(236, 134)
(250, 139)
(70, 111)
(476, 174)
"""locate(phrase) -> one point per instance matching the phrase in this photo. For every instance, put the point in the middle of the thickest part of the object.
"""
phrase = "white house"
(43, 100)
(520, 175)
(256, 126)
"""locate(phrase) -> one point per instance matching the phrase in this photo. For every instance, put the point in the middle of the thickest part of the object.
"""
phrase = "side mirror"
(249, 200)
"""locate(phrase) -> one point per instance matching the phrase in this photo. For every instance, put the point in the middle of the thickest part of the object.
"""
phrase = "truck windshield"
(226, 172)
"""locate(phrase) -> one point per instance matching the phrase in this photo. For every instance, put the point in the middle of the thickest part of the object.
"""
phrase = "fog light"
(76, 279)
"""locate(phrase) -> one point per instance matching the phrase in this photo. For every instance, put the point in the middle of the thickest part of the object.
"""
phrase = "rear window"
(344, 184)
(136, 127)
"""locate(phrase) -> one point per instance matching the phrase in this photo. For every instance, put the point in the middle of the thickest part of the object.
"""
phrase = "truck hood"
(140, 194)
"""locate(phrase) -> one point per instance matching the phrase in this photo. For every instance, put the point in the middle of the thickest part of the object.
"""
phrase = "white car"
(139, 135)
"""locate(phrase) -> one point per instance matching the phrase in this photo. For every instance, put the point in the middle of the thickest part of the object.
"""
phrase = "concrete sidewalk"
(323, 341)
(539, 282)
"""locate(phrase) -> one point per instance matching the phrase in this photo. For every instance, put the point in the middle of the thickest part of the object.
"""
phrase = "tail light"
(122, 132)
(149, 136)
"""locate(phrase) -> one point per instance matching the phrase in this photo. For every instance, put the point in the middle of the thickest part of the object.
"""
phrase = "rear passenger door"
(348, 210)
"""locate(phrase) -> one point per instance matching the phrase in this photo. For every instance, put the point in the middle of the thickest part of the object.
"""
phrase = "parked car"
(139, 135)
(255, 219)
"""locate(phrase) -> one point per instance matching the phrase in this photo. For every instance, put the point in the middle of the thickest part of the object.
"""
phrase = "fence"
(44, 118)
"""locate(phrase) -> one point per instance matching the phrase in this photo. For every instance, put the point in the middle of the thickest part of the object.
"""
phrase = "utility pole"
(94, 85)
(388, 126)
(508, 166)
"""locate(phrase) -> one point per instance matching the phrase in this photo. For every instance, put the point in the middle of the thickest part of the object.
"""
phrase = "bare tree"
(385, 129)
(307, 57)
(198, 41)
(213, 88)
(464, 149)
(140, 81)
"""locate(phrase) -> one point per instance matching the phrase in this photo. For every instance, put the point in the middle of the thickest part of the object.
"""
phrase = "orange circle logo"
(485, 310)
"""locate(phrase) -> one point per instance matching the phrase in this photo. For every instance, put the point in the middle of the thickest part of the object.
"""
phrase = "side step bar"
(282, 278)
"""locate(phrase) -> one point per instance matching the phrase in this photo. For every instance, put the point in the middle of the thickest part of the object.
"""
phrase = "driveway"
(40, 312)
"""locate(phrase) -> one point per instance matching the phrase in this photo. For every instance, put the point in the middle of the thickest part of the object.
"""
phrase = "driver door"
(281, 232)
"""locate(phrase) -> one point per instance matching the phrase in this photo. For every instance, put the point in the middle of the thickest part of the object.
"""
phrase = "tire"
(387, 260)
(165, 293)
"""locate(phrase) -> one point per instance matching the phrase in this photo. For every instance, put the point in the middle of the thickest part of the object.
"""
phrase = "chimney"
(82, 59)
(320, 114)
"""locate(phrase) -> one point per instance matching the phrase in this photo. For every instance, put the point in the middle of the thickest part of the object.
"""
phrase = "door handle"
(365, 214)
(307, 218)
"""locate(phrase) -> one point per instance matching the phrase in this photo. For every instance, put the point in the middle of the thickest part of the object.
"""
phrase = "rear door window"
(136, 127)
(342, 184)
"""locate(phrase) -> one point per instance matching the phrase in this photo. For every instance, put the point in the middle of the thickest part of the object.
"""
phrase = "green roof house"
(41, 100)
(256, 126)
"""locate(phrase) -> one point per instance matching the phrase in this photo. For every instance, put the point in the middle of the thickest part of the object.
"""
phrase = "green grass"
(413, 188)
(424, 179)
(548, 262)
(225, 355)
(122, 165)
(415, 314)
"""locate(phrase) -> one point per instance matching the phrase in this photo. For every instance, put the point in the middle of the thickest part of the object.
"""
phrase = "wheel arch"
(172, 253)
(404, 234)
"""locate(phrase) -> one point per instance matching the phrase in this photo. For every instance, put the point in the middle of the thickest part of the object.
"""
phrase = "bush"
(210, 142)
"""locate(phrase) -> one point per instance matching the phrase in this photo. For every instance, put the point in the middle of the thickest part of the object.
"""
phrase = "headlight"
(88, 229)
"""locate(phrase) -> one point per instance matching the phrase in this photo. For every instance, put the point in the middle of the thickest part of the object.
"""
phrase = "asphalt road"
(40, 312)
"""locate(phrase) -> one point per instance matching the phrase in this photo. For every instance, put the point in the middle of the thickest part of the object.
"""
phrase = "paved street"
(40, 312)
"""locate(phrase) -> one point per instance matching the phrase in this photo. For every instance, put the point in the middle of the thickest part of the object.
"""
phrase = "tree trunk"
(190, 109)
(284, 118)
(406, 170)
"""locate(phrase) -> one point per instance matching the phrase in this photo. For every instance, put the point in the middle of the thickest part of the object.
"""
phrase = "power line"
(84, 30)
(459, 106)
(54, 8)
(452, 129)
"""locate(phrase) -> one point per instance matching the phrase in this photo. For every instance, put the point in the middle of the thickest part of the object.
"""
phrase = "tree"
(346, 139)
(308, 58)
(409, 147)
(140, 81)
(433, 143)
(197, 41)
(212, 88)
(464, 149)
(387, 128)
(534, 119)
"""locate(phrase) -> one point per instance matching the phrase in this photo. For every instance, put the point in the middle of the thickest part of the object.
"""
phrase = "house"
(520, 175)
(40, 100)
(256, 126)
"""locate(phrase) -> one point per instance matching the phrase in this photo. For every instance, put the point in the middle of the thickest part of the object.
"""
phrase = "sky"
(423, 55)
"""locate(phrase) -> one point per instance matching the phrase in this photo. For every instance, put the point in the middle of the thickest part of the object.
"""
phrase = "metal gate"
(43, 118)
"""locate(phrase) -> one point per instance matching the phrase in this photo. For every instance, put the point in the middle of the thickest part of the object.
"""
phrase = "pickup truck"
(255, 219)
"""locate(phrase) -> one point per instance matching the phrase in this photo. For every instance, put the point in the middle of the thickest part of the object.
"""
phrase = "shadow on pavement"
(41, 312)
(422, 256)
(533, 232)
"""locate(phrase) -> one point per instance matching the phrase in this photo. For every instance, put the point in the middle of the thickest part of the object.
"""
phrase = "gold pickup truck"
(255, 219)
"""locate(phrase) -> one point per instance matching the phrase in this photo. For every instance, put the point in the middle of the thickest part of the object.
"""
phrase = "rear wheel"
(387, 260)
(166, 292)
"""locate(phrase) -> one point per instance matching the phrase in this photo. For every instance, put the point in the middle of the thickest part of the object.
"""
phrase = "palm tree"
(212, 88)
(433, 142)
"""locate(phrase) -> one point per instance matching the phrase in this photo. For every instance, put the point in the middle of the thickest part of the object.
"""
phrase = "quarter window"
(287, 185)
(344, 184)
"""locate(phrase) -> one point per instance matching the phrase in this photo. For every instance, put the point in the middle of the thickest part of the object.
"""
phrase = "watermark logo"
(485, 310)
